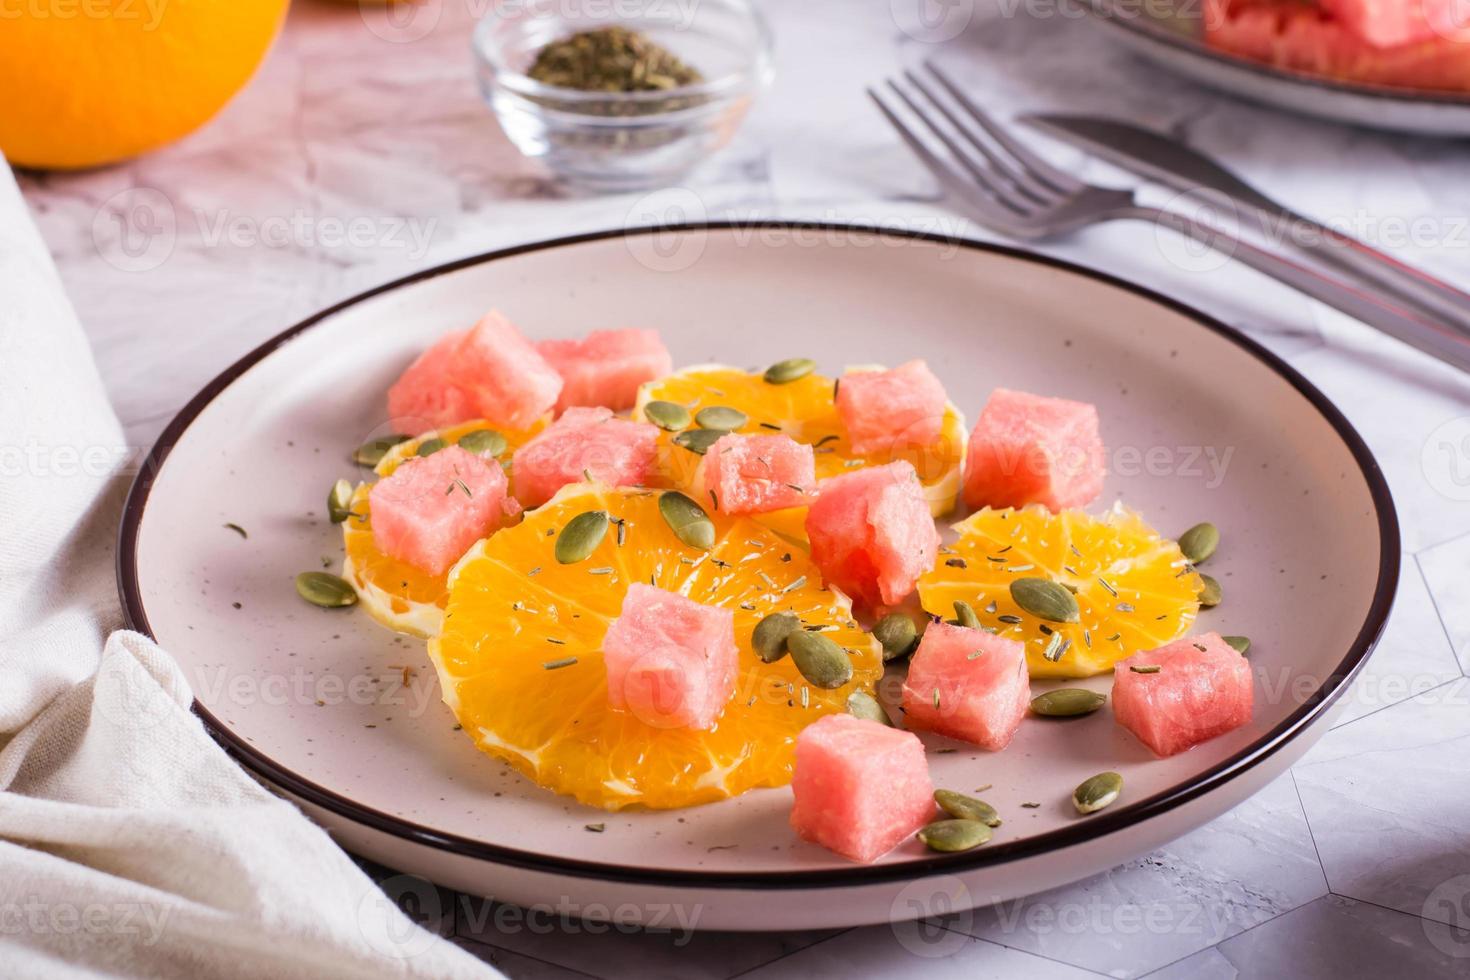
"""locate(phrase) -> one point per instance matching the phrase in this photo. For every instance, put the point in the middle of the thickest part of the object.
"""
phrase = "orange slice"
(1134, 589)
(515, 614)
(806, 411)
(395, 593)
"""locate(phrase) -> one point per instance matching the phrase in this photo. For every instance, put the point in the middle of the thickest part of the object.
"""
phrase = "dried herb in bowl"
(611, 59)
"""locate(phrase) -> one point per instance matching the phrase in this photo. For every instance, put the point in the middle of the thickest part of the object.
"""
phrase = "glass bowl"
(624, 141)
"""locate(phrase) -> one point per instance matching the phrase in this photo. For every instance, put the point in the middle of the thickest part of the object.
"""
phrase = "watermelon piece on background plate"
(670, 661)
(1029, 449)
(1202, 689)
(583, 443)
(872, 534)
(606, 367)
(886, 410)
(860, 787)
(432, 508)
(968, 684)
(1305, 38)
(757, 474)
(1388, 24)
(489, 371)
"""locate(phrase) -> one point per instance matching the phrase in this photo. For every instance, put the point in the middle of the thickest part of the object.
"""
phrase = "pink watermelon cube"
(1388, 24)
(489, 372)
(670, 661)
(872, 534)
(888, 410)
(968, 684)
(431, 509)
(584, 442)
(1202, 689)
(861, 788)
(1027, 449)
(606, 367)
(757, 474)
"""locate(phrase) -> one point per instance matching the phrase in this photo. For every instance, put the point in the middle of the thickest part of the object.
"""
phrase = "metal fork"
(1012, 190)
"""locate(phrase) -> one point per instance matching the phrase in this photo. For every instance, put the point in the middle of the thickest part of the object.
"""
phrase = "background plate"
(1200, 424)
(1171, 34)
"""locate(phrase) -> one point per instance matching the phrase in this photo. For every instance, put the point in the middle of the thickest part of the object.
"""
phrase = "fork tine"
(1001, 193)
(989, 212)
(1044, 171)
(1028, 185)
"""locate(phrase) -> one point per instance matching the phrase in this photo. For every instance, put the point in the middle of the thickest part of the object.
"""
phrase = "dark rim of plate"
(1114, 12)
(1093, 828)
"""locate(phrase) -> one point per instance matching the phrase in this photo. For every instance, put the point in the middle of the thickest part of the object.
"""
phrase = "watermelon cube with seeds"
(488, 372)
(1201, 688)
(871, 533)
(757, 474)
(968, 684)
(585, 443)
(1029, 449)
(432, 508)
(887, 410)
(860, 787)
(670, 661)
(606, 367)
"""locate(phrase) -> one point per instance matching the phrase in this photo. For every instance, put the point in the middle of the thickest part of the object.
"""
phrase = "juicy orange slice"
(806, 411)
(395, 593)
(516, 617)
(1134, 589)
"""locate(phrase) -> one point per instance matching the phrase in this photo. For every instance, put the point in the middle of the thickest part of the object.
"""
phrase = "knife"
(1167, 161)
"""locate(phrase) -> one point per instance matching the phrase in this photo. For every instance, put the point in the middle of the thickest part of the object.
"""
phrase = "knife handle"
(1413, 287)
(1406, 325)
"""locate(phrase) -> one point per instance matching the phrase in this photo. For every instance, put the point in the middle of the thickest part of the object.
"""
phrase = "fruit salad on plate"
(651, 587)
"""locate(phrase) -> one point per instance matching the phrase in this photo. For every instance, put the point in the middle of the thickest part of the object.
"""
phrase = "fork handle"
(1422, 333)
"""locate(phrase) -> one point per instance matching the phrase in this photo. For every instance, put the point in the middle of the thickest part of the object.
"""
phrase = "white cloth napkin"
(130, 844)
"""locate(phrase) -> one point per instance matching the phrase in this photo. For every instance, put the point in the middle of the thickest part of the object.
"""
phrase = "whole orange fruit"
(89, 82)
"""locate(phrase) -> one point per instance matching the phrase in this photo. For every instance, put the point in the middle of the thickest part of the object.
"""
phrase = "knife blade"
(1165, 160)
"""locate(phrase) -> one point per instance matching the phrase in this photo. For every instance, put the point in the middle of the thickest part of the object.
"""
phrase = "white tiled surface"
(1355, 864)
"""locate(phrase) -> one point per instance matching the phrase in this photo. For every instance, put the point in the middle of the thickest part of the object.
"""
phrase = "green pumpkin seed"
(1068, 702)
(963, 807)
(1045, 599)
(669, 416)
(581, 536)
(698, 440)
(769, 636)
(720, 417)
(689, 521)
(1209, 594)
(861, 704)
(483, 442)
(821, 661)
(430, 446)
(964, 614)
(1199, 542)
(325, 589)
(898, 635)
(950, 836)
(371, 453)
(339, 502)
(1242, 644)
(1097, 792)
(789, 370)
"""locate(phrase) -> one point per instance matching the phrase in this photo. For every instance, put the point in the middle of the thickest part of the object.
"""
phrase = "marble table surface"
(362, 152)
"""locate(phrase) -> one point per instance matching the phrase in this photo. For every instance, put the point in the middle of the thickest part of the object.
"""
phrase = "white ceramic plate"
(1172, 35)
(1200, 422)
